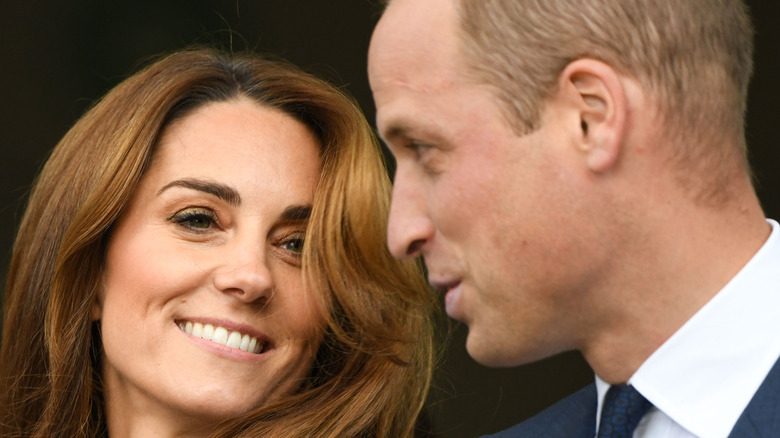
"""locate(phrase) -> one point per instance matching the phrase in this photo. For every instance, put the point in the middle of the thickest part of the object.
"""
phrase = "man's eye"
(427, 155)
(196, 219)
(419, 148)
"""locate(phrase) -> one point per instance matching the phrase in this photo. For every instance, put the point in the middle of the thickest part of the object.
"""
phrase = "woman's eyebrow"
(221, 191)
(296, 213)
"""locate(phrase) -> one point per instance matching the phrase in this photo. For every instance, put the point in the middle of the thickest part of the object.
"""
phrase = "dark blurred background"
(58, 57)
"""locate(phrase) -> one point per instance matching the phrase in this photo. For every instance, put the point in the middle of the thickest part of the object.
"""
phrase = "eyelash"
(298, 238)
(418, 147)
(184, 217)
(426, 156)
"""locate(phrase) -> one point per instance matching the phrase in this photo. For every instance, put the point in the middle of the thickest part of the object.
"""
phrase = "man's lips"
(452, 294)
(443, 286)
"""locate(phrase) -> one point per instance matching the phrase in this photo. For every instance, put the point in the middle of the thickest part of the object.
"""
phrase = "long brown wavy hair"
(373, 370)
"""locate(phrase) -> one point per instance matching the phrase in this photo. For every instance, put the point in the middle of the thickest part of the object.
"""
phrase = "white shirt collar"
(705, 375)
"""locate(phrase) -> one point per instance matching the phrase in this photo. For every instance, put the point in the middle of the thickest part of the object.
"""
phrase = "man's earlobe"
(600, 102)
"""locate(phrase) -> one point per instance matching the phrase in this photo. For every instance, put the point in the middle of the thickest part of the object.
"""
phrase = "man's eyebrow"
(405, 130)
(221, 191)
(296, 213)
(395, 130)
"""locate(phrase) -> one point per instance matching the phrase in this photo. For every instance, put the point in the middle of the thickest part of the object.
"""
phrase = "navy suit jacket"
(575, 416)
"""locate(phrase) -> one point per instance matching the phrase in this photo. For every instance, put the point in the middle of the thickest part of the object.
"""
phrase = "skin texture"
(566, 238)
(180, 253)
(496, 252)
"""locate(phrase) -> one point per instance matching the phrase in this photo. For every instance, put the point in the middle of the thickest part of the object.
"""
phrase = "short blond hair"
(694, 55)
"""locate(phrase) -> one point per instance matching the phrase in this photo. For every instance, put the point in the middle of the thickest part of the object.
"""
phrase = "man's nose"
(409, 228)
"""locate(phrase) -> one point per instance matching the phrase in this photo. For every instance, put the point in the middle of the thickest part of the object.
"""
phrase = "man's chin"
(487, 353)
(496, 355)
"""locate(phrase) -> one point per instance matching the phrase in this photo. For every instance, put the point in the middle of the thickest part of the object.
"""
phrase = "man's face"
(497, 217)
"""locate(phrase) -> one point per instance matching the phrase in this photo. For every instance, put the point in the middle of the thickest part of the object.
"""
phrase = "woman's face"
(203, 311)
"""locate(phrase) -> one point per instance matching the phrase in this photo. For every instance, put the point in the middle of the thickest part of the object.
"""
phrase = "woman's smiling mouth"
(223, 336)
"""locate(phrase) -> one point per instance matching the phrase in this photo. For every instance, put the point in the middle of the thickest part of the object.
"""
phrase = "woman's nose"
(245, 274)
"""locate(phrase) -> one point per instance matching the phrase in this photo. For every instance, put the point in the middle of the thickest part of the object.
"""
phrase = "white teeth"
(244, 345)
(208, 331)
(222, 336)
(234, 340)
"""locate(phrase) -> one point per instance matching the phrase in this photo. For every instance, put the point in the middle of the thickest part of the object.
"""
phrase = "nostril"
(262, 301)
(415, 247)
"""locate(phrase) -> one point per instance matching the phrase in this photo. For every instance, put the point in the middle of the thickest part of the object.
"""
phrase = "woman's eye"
(196, 219)
(293, 244)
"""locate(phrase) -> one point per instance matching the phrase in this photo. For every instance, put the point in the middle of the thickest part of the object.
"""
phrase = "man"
(574, 176)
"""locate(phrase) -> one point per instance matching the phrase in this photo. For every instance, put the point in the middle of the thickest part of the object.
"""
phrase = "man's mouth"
(223, 336)
(443, 286)
(452, 290)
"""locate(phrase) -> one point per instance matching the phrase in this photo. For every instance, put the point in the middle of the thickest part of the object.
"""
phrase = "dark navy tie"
(622, 410)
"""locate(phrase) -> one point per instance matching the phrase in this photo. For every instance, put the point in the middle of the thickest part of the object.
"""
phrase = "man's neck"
(679, 259)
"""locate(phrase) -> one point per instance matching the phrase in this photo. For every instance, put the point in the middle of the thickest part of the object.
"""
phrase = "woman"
(161, 281)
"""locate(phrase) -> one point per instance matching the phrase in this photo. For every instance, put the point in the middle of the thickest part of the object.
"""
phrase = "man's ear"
(599, 98)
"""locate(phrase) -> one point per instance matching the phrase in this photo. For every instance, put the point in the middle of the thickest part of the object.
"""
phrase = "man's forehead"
(412, 36)
(413, 63)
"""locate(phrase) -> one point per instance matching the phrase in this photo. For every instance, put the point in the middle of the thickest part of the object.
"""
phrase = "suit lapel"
(761, 417)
